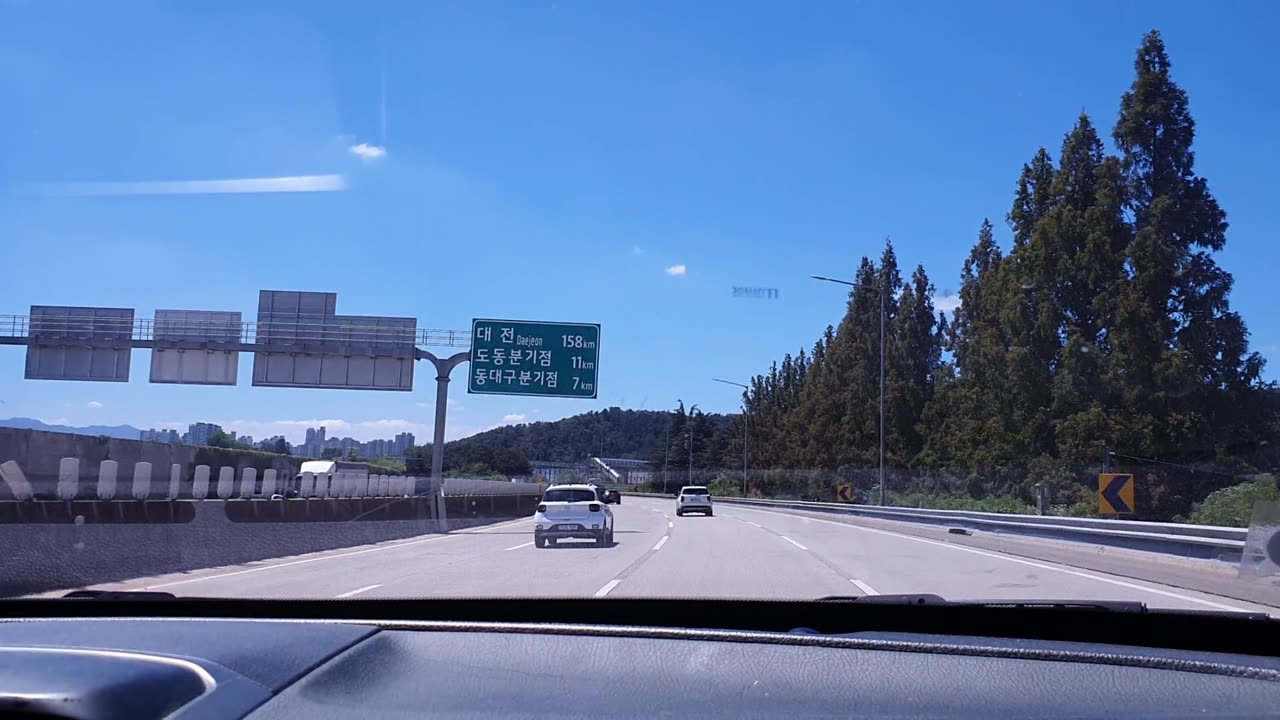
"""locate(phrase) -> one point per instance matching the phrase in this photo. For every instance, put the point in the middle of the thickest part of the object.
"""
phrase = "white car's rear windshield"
(569, 496)
(694, 491)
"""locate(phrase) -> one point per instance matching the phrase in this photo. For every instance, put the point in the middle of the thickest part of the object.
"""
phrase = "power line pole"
(746, 430)
(882, 392)
(690, 422)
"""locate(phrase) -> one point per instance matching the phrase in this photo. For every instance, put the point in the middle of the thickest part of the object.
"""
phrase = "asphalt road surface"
(740, 552)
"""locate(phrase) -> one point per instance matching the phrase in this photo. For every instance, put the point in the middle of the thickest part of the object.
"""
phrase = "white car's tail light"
(542, 508)
(594, 507)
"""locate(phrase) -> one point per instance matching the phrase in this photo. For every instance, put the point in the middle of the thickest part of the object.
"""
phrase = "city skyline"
(316, 440)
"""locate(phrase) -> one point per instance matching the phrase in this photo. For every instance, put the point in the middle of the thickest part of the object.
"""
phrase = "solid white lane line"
(793, 542)
(864, 587)
(517, 547)
(609, 586)
(1020, 561)
(378, 548)
(357, 591)
(661, 542)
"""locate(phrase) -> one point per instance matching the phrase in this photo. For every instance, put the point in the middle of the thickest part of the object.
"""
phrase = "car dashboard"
(151, 668)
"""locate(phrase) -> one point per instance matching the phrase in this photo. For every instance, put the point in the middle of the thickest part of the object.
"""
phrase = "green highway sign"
(517, 357)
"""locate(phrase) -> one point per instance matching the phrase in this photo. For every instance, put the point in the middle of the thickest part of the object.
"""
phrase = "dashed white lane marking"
(1020, 561)
(661, 542)
(609, 586)
(670, 524)
(793, 542)
(357, 591)
(753, 523)
(864, 587)
(517, 547)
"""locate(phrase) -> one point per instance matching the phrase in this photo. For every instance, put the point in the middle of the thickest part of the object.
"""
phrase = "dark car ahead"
(611, 496)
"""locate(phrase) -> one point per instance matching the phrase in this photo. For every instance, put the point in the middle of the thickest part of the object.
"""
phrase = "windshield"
(569, 496)
(965, 299)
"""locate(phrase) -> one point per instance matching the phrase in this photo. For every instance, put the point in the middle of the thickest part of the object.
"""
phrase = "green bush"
(1078, 509)
(383, 466)
(1233, 506)
(726, 485)
(991, 503)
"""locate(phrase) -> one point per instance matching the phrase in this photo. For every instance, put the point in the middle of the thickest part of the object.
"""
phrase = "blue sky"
(552, 160)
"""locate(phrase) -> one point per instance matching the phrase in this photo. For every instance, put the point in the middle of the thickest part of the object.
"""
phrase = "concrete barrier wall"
(50, 545)
(78, 510)
(40, 456)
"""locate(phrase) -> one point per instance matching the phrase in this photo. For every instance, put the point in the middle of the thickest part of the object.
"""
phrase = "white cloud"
(677, 270)
(512, 419)
(947, 303)
(55, 421)
(368, 152)
(637, 250)
(295, 183)
(93, 404)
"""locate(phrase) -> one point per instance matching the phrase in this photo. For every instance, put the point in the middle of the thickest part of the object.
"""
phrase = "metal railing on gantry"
(247, 336)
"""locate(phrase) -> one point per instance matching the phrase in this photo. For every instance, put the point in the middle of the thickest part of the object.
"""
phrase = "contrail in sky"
(289, 184)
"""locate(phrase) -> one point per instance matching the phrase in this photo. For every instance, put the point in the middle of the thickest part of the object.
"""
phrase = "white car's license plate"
(566, 527)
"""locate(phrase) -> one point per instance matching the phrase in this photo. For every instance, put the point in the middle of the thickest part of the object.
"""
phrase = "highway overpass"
(742, 551)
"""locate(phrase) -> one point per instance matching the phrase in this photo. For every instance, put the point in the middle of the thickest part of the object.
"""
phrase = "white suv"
(694, 499)
(572, 511)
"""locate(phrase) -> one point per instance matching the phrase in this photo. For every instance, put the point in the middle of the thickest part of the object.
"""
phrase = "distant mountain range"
(124, 432)
(614, 433)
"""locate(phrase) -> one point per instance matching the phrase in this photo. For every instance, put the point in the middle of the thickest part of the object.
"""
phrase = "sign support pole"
(443, 367)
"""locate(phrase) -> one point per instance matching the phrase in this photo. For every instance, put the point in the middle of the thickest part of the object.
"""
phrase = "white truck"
(326, 472)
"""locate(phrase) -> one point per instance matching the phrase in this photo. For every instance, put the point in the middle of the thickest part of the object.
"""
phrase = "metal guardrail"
(146, 332)
(470, 487)
(1198, 541)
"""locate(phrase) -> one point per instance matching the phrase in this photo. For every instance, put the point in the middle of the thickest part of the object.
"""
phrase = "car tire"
(679, 513)
(710, 514)
(539, 542)
(602, 539)
(609, 542)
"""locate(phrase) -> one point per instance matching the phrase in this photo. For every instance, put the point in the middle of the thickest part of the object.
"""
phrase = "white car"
(694, 499)
(572, 511)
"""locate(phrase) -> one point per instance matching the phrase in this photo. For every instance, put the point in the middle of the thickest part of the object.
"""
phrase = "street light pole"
(443, 366)
(746, 431)
(881, 288)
